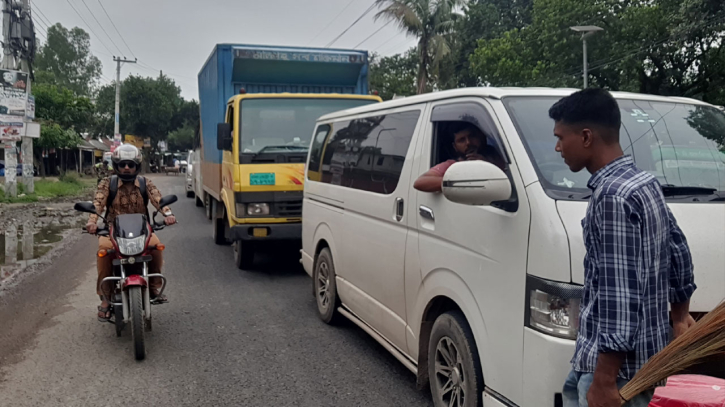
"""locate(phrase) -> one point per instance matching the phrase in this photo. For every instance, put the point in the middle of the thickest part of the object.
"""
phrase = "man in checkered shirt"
(637, 257)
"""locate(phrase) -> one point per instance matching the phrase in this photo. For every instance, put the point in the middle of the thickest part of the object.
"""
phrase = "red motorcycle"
(131, 302)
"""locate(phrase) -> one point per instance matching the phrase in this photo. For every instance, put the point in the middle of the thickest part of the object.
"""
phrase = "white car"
(189, 166)
(491, 270)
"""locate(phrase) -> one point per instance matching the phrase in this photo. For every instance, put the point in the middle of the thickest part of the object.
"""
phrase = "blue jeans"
(577, 386)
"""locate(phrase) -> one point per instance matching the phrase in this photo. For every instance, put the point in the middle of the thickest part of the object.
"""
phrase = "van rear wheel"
(325, 287)
(454, 368)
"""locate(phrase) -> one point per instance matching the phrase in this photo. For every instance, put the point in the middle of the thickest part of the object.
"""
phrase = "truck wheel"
(220, 230)
(199, 202)
(208, 205)
(189, 194)
(243, 254)
(453, 365)
(323, 280)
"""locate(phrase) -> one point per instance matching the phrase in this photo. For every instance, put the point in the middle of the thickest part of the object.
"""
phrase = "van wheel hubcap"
(323, 284)
(450, 379)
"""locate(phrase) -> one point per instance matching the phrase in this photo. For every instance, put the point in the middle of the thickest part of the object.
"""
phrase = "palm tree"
(431, 21)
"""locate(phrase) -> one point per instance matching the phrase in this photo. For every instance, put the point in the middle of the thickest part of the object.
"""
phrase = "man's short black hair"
(591, 107)
(458, 127)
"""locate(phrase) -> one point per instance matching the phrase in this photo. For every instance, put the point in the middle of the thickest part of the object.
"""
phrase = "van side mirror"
(224, 136)
(476, 183)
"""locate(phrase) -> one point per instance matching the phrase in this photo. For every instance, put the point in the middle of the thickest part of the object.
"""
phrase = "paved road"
(227, 338)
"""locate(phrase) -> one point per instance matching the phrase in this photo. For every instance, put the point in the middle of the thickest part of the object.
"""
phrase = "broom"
(703, 340)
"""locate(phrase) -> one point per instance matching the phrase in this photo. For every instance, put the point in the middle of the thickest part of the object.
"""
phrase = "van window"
(317, 144)
(678, 143)
(368, 154)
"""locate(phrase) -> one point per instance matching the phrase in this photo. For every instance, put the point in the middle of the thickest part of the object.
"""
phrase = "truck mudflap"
(269, 231)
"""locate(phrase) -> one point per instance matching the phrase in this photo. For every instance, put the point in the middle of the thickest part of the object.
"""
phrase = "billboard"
(13, 104)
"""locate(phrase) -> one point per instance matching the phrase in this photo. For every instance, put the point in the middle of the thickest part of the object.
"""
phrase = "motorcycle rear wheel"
(135, 299)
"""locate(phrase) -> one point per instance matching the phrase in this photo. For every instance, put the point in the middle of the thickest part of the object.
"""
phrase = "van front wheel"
(325, 287)
(453, 365)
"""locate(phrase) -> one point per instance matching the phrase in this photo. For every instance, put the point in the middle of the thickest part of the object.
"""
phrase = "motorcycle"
(131, 302)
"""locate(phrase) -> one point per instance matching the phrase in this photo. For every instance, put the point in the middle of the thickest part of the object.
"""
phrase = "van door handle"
(426, 212)
(399, 209)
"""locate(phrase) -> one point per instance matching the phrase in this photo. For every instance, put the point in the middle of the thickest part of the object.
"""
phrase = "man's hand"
(681, 326)
(170, 220)
(91, 228)
(604, 395)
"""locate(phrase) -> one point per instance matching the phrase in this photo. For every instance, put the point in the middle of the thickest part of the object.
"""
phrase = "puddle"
(23, 244)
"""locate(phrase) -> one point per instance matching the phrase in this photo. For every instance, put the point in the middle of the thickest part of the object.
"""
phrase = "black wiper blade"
(280, 147)
(673, 190)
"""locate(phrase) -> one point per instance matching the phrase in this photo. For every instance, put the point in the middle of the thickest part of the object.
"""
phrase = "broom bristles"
(702, 341)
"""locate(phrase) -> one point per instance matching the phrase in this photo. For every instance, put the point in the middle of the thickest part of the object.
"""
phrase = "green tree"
(431, 21)
(182, 139)
(394, 75)
(65, 59)
(62, 115)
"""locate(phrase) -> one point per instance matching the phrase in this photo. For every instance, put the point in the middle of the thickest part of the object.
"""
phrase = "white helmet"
(127, 153)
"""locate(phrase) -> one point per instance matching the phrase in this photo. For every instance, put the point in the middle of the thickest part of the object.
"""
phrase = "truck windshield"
(285, 125)
(680, 144)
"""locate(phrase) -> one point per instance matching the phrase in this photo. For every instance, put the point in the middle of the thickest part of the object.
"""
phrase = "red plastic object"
(690, 391)
(134, 280)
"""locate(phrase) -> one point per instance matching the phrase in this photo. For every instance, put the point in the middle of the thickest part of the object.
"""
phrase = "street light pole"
(117, 123)
(586, 31)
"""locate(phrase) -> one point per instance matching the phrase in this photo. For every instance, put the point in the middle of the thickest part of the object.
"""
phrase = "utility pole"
(27, 143)
(8, 62)
(18, 51)
(117, 124)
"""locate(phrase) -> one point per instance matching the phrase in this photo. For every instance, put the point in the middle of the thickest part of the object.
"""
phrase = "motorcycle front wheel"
(135, 299)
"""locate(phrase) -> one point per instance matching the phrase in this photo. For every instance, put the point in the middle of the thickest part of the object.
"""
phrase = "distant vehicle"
(18, 169)
(189, 175)
(258, 108)
(481, 284)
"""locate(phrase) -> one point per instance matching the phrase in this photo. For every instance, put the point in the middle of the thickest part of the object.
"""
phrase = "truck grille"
(289, 209)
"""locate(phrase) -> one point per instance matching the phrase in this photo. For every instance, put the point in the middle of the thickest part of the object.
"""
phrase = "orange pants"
(105, 266)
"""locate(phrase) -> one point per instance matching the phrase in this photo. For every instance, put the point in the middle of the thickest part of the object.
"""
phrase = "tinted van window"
(368, 154)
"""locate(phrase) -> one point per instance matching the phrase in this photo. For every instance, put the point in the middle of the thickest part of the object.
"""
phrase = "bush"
(70, 178)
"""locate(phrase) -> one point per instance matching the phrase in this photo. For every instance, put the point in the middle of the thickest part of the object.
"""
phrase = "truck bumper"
(264, 232)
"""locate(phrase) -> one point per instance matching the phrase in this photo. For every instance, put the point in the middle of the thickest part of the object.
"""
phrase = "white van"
(476, 290)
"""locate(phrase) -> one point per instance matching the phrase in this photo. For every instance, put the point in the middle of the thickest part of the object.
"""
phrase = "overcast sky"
(177, 36)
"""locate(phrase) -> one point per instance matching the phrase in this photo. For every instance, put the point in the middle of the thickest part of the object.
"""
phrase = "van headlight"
(553, 307)
(131, 247)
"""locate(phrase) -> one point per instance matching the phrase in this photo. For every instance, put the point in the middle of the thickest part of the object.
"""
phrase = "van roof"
(494, 93)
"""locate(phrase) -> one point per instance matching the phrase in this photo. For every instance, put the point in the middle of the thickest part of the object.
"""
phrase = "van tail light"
(552, 308)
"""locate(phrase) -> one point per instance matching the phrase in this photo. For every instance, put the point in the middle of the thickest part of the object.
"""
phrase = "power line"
(387, 41)
(89, 26)
(331, 21)
(115, 28)
(372, 35)
(407, 40)
(47, 20)
(101, 25)
(366, 12)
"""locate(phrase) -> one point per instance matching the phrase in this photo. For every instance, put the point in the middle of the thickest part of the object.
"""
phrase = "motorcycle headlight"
(131, 247)
(553, 308)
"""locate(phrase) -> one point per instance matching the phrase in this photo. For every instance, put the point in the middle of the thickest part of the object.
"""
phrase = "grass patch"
(67, 185)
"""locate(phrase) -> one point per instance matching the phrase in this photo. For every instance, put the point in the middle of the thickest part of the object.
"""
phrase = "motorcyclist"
(126, 161)
(103, 170)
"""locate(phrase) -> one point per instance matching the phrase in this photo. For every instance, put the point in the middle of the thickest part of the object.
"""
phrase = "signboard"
(30, 111)
(147, 143)
(330, 57)
(13, 104)
(134, 140)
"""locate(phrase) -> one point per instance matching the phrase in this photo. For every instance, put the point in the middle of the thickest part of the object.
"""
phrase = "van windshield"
(680, 144)
(285, 125)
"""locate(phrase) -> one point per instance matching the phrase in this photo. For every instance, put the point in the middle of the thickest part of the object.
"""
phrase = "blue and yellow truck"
(258, 106)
